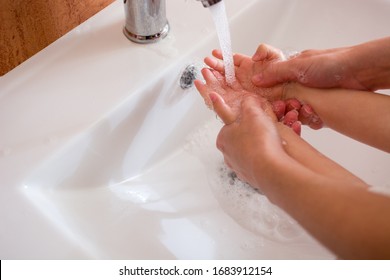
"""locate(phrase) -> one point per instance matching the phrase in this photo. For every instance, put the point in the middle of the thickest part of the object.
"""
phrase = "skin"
(233, 95)
(327, 200)
(363, 67)
(286, 109)
(362, 115)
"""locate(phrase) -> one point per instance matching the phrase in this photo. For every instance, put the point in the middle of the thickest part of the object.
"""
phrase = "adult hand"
(362, 67)
(313, 68)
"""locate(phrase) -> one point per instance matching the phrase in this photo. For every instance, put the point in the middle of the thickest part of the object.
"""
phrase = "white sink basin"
(129, 169)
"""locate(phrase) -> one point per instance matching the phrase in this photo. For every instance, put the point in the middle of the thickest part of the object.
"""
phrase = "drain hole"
(190, 74)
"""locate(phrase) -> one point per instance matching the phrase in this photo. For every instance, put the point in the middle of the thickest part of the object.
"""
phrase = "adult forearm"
(365, 66)
(370, 63)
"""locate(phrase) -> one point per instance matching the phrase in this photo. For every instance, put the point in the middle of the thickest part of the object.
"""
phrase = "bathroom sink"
(142, 178)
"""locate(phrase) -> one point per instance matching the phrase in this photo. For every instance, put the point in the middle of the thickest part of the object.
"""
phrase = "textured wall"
(27, 26)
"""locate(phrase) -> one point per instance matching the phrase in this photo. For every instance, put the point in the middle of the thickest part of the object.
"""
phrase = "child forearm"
(308, 156)
(362, 115)
(349, 220)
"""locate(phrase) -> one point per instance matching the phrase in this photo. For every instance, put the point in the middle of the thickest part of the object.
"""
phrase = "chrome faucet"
(209, 3)
(146, 20)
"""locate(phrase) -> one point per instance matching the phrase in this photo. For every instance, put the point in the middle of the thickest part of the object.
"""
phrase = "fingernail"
(212, 61)
(308, 110)
(297, 127)
(256, 57)
(293, 104)
(315, 119)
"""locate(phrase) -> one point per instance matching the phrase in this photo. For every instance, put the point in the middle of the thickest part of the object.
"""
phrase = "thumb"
(275, 73)
(223, 110)
(266, 52)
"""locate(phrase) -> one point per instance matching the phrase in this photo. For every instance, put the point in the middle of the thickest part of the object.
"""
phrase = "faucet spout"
(146, 20)
(209, 3)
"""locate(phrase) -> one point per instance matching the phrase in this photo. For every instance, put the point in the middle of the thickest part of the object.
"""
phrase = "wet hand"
(245, 68)
(233, 96)
(248, 136)
(312, 68)
(287, 111)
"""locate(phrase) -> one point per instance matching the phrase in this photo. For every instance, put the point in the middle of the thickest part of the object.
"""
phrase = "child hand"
(287, 111)
(234, 95)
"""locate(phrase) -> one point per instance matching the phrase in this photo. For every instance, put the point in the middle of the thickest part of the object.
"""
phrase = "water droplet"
(302, 78)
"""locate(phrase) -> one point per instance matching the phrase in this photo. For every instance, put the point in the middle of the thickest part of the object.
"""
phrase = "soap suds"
(245, 204)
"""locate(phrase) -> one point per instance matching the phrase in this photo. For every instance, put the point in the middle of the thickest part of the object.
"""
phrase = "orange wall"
(26, 27)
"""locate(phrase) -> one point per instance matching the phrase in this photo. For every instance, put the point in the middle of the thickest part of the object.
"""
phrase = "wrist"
(292, 90)
(272, 169)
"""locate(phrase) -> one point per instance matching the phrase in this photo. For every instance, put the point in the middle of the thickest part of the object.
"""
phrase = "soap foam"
(245, 204)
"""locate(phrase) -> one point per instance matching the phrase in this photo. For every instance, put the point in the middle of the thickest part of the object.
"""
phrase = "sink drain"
(190, 74)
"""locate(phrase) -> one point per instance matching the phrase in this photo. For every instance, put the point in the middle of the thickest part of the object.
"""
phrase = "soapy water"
(218, 13)
(246, 205)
